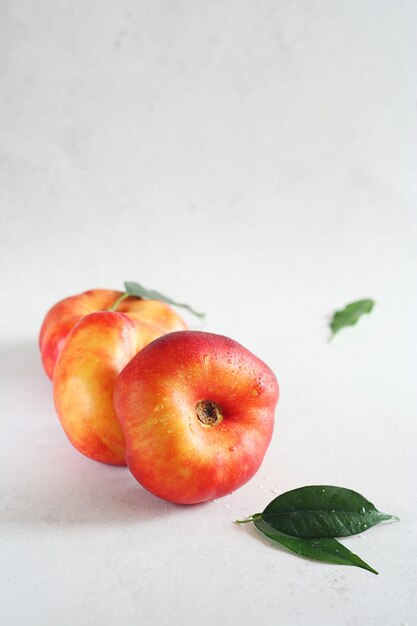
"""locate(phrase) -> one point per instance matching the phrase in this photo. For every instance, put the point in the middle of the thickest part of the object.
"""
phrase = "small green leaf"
(350, 314)
(135, 289)
(322, 511)
(326, 550)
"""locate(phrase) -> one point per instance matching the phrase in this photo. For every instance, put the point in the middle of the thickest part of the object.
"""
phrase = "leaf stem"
(118, 301)
(252, 518)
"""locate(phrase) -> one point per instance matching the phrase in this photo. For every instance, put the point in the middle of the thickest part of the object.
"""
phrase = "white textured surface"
(256, 159)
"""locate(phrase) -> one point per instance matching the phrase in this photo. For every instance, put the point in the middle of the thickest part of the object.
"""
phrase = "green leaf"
(350, 314)
(326, 550)
(322, 511)
(135, 289)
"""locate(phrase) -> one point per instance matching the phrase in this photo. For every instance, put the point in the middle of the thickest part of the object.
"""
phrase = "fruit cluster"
(191, 413)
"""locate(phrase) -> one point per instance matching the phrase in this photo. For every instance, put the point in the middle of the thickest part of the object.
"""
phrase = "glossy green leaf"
(322, 511)
(350, 314)
(135, 289)
(326, 550)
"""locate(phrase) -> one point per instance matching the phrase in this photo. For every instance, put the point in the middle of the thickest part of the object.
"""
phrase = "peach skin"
(197, 410)
(95, 351)
(152, 318)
